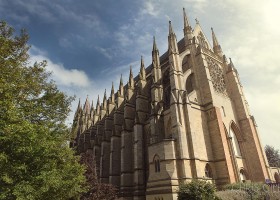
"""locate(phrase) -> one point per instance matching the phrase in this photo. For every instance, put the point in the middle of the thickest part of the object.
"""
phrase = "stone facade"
(183, 117)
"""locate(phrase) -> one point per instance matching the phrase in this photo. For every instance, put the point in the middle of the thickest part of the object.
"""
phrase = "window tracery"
(217, 76)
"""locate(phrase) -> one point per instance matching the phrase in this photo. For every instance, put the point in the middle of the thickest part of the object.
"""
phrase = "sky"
(89, 44)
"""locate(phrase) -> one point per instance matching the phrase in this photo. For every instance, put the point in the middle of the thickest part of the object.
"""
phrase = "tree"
(35, 160)
(273, 156)
(197, 190)
(97, 191)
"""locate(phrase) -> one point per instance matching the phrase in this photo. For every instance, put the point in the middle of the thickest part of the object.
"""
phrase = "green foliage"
(197, 190)
(233, 195)
(35, 161)
(253, 190)
(273, 156)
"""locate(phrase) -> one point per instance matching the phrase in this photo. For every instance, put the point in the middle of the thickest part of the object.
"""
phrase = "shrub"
(253, 191)
(232, 195)
(197, 190)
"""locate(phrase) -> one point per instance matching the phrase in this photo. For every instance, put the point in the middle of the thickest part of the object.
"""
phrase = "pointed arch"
(236, 130)
(235, 135)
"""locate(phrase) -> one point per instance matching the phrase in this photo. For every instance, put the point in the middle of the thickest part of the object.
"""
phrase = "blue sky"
(88, 44)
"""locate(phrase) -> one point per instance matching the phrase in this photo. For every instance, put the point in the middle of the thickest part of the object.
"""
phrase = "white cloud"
(62, 76)
(150, 8)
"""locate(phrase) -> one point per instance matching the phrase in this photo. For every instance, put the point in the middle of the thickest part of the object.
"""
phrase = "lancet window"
(235, 142)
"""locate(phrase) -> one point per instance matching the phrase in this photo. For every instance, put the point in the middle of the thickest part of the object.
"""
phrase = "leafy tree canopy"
(35, 161)
(273, 156)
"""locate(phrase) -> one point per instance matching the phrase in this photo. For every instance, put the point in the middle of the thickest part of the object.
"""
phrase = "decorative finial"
(130, 72)
(186, 21)
(121, 80)
(170, 28)
(112, 89)
(105, 93)
(216, 46)
(98, 102)
(131, 80)
(154, 44)
(142, 74)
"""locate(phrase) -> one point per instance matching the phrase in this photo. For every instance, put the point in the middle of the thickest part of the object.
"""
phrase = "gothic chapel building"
(183, 117)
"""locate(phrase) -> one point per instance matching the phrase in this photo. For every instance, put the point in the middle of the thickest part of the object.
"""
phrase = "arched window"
(242, 175)
(157, 163)
(235, 142)
(208, 171)
(190, 83)
(276, 177)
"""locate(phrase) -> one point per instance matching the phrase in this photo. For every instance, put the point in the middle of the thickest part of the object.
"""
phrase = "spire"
(170, 28)
(216, 46)
(87, 106)
(155, 55)
(121, 81)
(104, 99)
(91, 110)
(186, 21)
(172, 41)
(156, 62)
(131, 80)
(112, 93)
(78, 109)
(187, 26)
(97, 105)
(79, 105)
(98, 102)
(92, 106)
(155, 49)
(142, 74)
(215, 41)
(120, 92)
